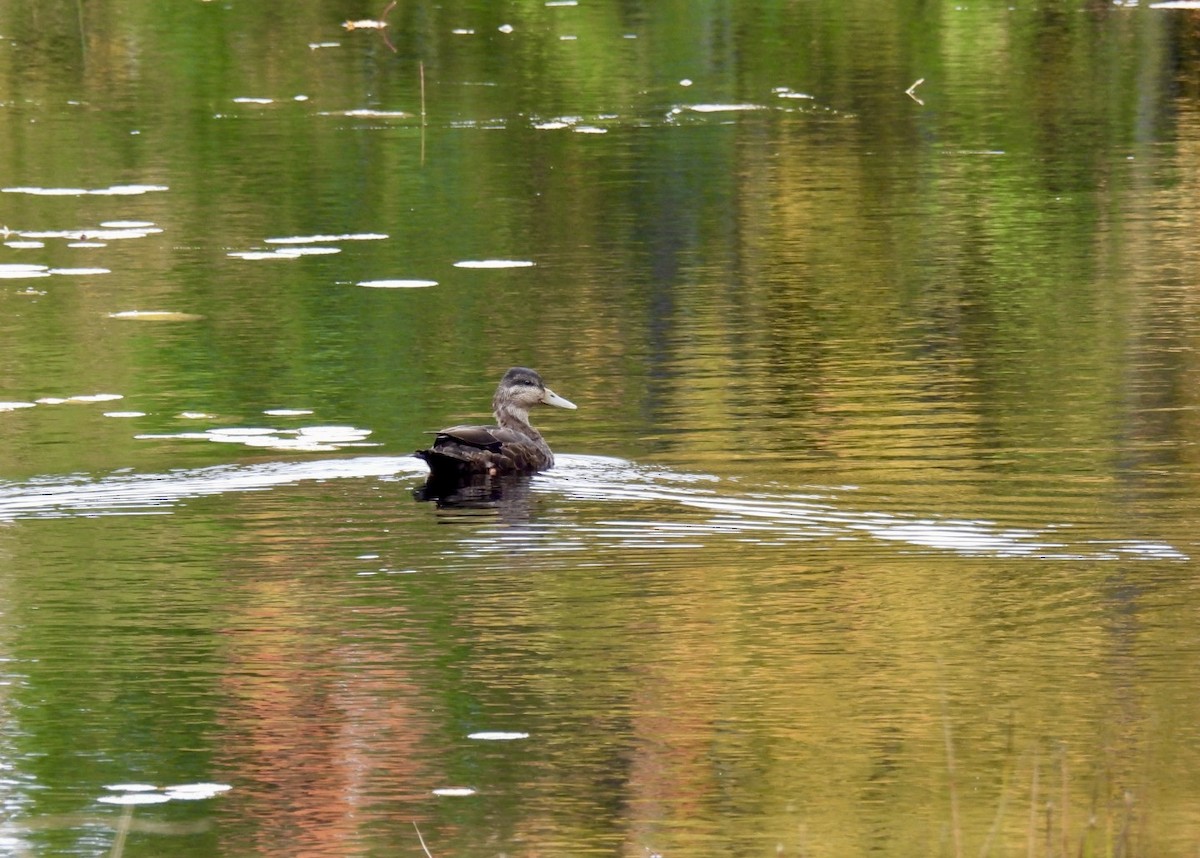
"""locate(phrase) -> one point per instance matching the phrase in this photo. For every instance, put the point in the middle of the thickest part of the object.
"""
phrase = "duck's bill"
(552, 398)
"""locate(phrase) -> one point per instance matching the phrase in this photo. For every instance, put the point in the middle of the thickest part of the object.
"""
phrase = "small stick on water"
(383, 19)
(911, 92)
(1000, 807)
(1066, 807)
(422, 839)
(1031, 848)
(952, 777)
(1123, 845)
(118, 847)
(421, 69)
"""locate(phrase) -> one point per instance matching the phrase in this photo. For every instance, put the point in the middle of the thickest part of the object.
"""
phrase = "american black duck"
(463, 453)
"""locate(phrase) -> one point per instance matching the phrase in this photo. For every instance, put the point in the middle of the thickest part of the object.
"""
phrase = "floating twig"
(999, 817)
(1031, 848)
(952, 777)
(1064, 811)
(911, 92)
(422, 839)
(383, 17)
(118, 847)
(421, 70)
(379, 24)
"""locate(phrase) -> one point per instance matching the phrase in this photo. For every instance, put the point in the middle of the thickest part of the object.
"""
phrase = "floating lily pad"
(96, 397)
(184, 436)
(46, 192)
(309, 439)
(284, 252)
(722, 108)
(376, 114)
(194, 792)
(255, 255)
(111, 190)
(494, 263)
(315, 239)
(21, 271)
(155, 316)
(235, 431)
(787, 92)
(132, 794)
(135, 798)
(334, 433)
(129, 190)
(275, 442)
(497, 736)
(22, 275)
(103, 234)
(397, 284)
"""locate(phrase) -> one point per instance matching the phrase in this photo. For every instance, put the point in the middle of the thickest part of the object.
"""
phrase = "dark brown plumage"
(512, 447)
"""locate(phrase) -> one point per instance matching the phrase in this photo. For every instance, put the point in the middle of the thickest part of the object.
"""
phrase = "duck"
(512, 447)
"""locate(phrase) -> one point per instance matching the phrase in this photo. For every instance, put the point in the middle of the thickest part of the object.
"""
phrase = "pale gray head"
(521, 389)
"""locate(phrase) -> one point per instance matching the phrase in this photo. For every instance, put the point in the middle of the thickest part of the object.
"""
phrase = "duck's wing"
(481, 437)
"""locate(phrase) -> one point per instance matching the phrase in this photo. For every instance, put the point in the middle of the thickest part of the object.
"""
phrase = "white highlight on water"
(397, 284)
(494, 263)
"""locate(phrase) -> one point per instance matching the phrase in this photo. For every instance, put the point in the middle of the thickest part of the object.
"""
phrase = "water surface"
(874, 532)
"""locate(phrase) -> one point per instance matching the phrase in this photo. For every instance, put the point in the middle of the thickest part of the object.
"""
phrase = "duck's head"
(522, 388)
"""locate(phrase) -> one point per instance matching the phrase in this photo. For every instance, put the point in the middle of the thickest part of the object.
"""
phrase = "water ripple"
(823, 517)
(132, 494)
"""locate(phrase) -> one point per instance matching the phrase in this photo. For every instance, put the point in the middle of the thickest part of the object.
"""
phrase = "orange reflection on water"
(323, 727)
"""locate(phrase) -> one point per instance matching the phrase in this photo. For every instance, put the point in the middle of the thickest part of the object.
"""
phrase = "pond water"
(875, 532)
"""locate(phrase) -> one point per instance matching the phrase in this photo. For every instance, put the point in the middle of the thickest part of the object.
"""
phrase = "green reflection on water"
(978, 307)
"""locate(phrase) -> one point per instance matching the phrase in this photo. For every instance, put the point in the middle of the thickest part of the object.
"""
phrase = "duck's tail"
(447, 466)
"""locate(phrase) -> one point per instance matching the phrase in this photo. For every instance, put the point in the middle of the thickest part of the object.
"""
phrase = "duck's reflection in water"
(509, 497)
